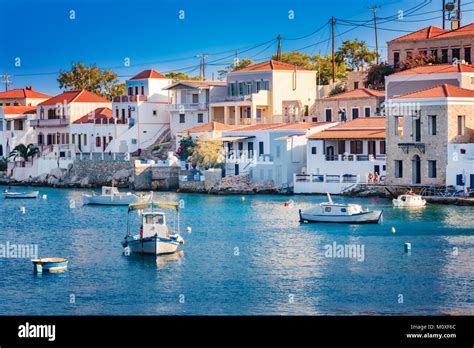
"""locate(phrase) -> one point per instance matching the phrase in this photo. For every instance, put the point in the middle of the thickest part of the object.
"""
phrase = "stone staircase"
(165, 143)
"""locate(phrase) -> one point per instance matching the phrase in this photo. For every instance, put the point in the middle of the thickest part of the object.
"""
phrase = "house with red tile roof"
(426, 76)
(349, 105)
(343, 156)
(434, 122)
(189, 105)
(22, 97)
(266, 92)
(269, 152)
(14, 127)
(444, 45)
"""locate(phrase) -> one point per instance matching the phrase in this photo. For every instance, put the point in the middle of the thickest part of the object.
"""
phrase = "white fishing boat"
(12, 194)
(153, 236)
(410, 199)
(111, 196)
(340, 213)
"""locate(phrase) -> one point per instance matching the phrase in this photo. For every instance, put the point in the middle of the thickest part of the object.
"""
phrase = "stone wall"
(156, 178)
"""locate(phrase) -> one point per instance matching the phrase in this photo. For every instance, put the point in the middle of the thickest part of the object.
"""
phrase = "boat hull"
(110, 200)
(153, 245)
(369, 217)
(400, 204)
(52, 265)
(21, 195)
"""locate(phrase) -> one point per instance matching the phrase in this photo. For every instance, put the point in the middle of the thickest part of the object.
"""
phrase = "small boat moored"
(154, 236)
(111, 196)
(50, 264)
(410, 199)
(18, 195)
(340, 213)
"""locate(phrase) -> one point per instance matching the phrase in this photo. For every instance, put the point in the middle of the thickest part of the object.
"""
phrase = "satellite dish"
(450, 6)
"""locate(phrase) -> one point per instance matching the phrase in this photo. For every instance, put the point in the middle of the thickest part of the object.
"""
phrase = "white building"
(14, 127)
(269, 152)
(343, 156)
(268, 92)
(22, 97)
(460, 168)
(212, 130)
(190, 103)
(144, 109)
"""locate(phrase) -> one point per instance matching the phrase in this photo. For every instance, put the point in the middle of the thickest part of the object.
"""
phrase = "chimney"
(28, 88)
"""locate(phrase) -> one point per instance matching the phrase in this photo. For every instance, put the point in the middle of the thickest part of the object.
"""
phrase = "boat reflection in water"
(160, 261)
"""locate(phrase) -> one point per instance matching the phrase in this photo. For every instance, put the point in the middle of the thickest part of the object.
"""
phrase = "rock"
(58, 173)
(53, 180)
(84, 182)
(122, 175)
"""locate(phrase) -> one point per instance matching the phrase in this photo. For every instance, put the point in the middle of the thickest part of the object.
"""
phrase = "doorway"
(416, 170)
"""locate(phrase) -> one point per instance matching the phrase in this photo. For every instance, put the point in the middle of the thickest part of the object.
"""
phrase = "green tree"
(376, 75)
(336, 90)
(323, 64)
(355, 53)
(243, 63)
(185, 149)
(176, 76)
(23, 151)
(208, 153)
(92, 79)
(297, 58)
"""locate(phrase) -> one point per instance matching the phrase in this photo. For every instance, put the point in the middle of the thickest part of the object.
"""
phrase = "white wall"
(460, 164)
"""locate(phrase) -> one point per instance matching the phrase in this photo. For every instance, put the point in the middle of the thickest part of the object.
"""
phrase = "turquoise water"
(248, 257)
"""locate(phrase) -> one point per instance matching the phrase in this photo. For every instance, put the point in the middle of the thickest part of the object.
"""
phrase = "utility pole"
(458, 13)
(332, 52)
(236, 59)
(6, 81)
(444, 13)
(202, 66)
(279, 48)
(374, 10)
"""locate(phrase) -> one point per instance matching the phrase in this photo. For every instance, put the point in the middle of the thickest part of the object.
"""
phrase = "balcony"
(188, 107)
(130, 98)
(260, 98)
(355, 157)
(51, 122)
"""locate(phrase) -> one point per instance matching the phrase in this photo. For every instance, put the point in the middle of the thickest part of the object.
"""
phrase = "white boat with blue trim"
(154, 237)
(111, 196)
(340, 213)
(20, 195)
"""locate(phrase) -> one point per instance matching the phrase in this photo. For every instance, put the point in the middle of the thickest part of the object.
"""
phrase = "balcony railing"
(129, 98)
(352, 157)
(187, 107)
(52, 122)
(262, 96)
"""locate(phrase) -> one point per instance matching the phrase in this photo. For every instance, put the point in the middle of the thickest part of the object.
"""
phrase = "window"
(136, 90)
(306, 110)
(355, 113)
(341, 147)
(382, 147)
(130, 91)
(313, 150)
(432, 125)
(398, 129)
(356, 84)
(356, 146)
(117, 113)
(241, 146)
(195, 98)
(85, 139)
(155, 112)
(134, 141)
(409, 54)
(444, 55)
(250, 149)
(432, 169)
(456, 54)
(97, 141)
(343, 210)
(434, 53)
(51, 113)
(416, 124)
(461, 125)
(129, 112)
(200, 118)
(327, 209)
(142, 89)
(182, 118)
(260, 148)
(278, 151)
(396, 58)
(398, 169)
(74, 138)
(467, 55)
(367, 111)
(328, 113)
(123, 113)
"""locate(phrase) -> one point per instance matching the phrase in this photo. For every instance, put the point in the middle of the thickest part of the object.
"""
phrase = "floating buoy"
(243, 199)
(188, 229)
(407, 247)
(44, 197)
(393, 230)
(23, 210)
(286, 204)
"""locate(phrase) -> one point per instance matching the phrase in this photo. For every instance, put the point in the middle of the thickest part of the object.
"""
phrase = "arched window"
(130, 91)
(143, 89)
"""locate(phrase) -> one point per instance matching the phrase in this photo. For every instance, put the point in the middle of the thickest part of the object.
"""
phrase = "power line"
(6, 80)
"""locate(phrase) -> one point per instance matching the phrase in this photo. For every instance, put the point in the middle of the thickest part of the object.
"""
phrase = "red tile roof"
(148, 74)
(18, 110)
(437, 69)
(425, 33)
(279, 126)
(360, 128)
(270, 65)
(81, 96)
(467, 30)
(209, 127)
(440, 91)
(197, 84)
(99, 113)
(357, 93)
(23, 93)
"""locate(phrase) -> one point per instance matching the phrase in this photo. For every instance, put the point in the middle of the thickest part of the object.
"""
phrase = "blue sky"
(151, 34)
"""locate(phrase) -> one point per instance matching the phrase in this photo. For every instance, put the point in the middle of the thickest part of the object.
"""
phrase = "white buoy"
(45, 197)
(407, 247)
(189, 229)
(393, 230)
(243, 199)
(23, 210)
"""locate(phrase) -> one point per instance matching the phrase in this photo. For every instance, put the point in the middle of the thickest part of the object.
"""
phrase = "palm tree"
(23, 151)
